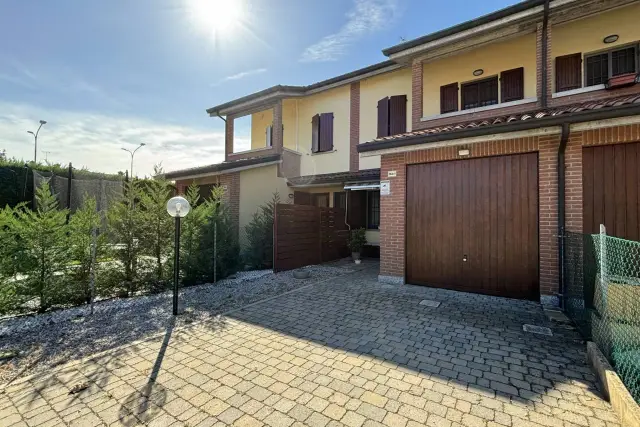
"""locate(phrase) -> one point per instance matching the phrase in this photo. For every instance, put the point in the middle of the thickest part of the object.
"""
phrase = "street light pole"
(35, 137)
(132, 153)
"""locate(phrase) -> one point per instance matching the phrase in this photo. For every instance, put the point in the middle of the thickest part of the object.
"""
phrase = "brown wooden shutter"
(449, 98)
(357, 209)
(315, 133)
(301, 198)
(397, 114)
(326, 132)
(383, 117)
(512, 85)
(568, 72)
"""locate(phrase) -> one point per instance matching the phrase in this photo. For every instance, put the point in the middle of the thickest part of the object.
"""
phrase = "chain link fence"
(602, 297)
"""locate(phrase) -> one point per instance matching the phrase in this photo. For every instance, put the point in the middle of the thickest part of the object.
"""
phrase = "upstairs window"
(392, 115)
(322, 133)
(512, 85)
(269, 136)
(480, 93)
(600, 67)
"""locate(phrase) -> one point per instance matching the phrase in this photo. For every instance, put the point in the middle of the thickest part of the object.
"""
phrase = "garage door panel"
(611, 189)
(475, 209)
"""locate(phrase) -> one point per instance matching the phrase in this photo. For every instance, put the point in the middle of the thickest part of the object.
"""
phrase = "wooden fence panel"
(306, 235)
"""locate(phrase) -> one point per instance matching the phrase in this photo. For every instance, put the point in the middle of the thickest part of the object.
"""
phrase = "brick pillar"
(228, 137)
(231, 197)
(278, 134)
(540, 67)
(548, 217)
(416, 94)
(354, 128)
(573, 183)
(392, 221)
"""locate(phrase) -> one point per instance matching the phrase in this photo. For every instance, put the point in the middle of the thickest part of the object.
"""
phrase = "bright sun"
(216, 16)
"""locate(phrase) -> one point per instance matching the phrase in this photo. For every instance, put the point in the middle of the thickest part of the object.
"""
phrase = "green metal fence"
(602, 297)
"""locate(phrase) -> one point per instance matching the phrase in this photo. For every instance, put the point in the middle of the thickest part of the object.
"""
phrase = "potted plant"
(357, 240)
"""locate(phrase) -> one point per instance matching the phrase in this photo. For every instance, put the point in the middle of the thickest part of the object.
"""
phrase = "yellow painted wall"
(371, 91)
(256, 188)
(289, 121)
(259, 123)
(336, 101)
(586, 35)
(494, 58)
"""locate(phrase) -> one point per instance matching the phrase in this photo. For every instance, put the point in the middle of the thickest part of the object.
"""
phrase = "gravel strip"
(41, 342)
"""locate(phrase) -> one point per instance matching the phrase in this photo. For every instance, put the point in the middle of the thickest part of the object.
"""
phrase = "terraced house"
(468, 152)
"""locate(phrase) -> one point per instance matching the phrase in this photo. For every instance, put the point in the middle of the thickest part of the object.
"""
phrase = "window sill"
(578, 91)
(480, 109)
(323, 152)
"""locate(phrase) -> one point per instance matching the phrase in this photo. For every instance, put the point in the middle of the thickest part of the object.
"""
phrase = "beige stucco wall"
(371, 91)
(259, 123)
(493, 58)
(336, 101)
(256, 188)
(586, 35)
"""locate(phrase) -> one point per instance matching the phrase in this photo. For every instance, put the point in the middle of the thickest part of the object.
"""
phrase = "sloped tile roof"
(221, 167)
(534, 115)
(336, 178)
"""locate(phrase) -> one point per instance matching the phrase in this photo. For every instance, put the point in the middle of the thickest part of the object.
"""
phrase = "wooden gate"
(306, 235)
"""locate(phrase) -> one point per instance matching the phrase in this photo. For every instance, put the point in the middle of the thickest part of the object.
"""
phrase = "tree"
(191, 233)
(158, 229)
(8, 295)
(126, 230)
(83, 234)
(43, 250)
(259, 232)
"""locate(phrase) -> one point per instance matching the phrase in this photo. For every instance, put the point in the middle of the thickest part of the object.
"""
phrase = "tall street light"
(142, 144)
(35, 137)
(178, 207)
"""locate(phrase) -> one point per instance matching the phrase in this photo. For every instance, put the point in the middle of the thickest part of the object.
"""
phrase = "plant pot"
(355, 255)
(301, 274)
(358, 261)
(622, 80)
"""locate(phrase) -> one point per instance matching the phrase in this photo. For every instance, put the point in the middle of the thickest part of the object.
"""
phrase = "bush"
(259, 232)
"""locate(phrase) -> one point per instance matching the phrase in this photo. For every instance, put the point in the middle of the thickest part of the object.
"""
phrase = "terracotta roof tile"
(533, 115)
(336, 178)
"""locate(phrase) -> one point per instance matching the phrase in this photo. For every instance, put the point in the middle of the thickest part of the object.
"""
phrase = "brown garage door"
(472, 225)
(611, 189)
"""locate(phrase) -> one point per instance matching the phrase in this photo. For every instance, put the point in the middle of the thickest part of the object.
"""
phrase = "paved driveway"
(344, 352)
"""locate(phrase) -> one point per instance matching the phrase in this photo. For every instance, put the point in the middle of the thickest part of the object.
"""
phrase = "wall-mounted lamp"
(611, 39)
(478, 72)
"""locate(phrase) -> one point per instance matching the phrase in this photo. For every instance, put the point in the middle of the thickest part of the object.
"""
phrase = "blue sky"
(111, 74)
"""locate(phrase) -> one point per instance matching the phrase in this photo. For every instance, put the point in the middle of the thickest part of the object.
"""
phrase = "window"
(600, 67)
(449, 98)
(392, 115)
(480, 93)
(320, 199)
(340, 200)
(512, 85)
(269, 135)
(322, 133)
(373, 210)
(568, 72)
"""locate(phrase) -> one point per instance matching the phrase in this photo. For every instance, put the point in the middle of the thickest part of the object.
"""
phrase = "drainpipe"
(545, 52)
(564, 138)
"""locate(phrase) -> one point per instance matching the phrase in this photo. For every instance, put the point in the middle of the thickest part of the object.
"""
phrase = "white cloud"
(95, 140)
(366, 17)
(240, 75)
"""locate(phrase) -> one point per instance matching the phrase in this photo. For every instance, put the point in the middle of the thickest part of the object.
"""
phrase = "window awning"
(362, 186)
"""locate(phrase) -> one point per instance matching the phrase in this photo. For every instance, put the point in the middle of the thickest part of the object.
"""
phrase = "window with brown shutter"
(315, 133)
(480, 93)
(325, 141)
(600, 67)
(383, 117)
(568, 72)
(512, 85)
(449, 98)
(397, 114)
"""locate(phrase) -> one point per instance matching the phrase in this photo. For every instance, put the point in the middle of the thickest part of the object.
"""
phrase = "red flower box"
(622, 80)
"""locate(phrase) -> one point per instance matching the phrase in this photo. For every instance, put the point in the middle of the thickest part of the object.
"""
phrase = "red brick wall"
(416, 94)
(392, 217)
(278, 138)
(354, 128)
(573, 163)
(228, 137)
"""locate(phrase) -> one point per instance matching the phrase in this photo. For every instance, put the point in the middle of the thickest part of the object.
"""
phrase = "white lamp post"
(178, 207)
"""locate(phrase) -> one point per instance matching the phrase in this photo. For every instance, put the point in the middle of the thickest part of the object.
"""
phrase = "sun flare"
(218, 17)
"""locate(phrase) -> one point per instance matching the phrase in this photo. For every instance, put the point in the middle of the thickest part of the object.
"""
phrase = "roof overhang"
(224, 168)
(266, 98)
(362, 186)
(395, 145)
